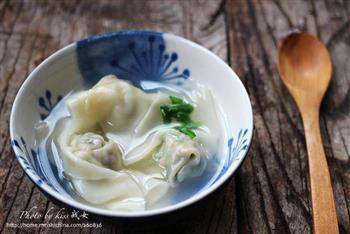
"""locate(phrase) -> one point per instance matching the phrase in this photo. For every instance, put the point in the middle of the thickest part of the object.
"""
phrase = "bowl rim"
(145, 213)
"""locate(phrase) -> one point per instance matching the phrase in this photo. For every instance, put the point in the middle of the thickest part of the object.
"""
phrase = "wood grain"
(270, 192)
(272, 186)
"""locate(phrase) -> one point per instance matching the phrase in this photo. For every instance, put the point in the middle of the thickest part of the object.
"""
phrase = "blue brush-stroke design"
(28, 158)
(131, 55)
(47, 104)
(234, 150)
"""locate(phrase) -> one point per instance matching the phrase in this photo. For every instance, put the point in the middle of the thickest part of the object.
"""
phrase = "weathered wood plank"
(272, 187)
(32, 30)
(272, 184)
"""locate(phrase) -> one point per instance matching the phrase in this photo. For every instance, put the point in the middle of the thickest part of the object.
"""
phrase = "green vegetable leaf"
(164, 110)
(176, 100)
(192, 125)
(186, 131)
(183, 117)
(187, 108)
(180, 111)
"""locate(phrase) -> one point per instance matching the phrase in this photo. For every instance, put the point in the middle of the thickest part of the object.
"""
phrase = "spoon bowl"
(305, 67)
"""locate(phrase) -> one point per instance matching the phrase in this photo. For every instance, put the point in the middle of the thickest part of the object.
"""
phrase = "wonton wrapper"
(118, 152)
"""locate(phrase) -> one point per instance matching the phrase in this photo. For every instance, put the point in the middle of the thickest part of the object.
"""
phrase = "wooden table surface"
(270, 192)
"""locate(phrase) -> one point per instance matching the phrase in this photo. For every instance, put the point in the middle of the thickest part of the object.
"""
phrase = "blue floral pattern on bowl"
(28, 158)
(47, 104)
(135, 56)
(234, 151)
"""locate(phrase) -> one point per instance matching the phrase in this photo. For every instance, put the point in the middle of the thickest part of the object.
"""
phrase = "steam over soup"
(127, 149)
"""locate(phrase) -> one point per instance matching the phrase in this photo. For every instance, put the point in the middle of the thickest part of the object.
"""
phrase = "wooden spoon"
(305, 68)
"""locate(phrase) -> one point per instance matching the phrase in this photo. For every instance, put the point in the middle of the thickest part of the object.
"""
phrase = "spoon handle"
(324, 212)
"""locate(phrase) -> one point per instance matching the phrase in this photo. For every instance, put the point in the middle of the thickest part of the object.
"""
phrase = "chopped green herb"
(186, 131)
(176, 100)
(174, 108)
(192, 125)
(165, 114)
(179, 111)
(183, 117)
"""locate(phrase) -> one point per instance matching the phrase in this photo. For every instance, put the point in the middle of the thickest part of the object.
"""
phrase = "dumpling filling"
(95, 149)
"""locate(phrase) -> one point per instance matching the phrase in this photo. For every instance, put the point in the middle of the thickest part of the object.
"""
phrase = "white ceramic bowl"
(129, 55)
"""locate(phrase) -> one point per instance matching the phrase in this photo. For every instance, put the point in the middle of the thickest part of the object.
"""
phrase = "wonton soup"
(119, 147)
